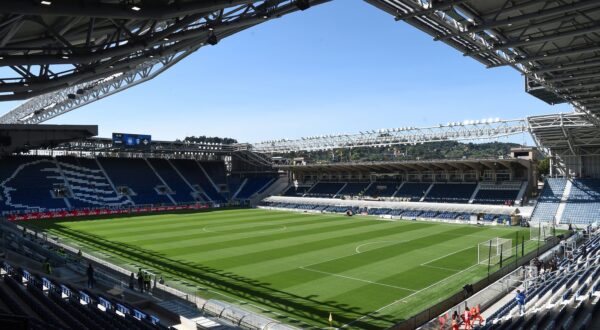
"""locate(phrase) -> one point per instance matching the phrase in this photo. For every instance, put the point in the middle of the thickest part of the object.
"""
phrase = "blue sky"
(344, 66)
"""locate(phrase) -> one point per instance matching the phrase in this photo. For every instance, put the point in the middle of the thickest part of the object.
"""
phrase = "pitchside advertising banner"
(131, 141)
(95, 212)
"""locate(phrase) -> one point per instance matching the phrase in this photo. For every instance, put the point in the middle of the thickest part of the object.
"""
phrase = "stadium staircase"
(164, 183)
(142, 180)
(181, 188)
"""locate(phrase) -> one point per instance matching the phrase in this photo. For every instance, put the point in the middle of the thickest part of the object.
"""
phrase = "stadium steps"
(160, 178)
(472, 198)
(181, 176)
(109, 180)
(563, 201)
(240, 188)
(209, 178)
(426, 192)
(522, 191)
(395, 192)
(341, 189)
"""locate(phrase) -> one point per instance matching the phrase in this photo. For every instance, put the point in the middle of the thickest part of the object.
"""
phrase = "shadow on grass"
(306, 307)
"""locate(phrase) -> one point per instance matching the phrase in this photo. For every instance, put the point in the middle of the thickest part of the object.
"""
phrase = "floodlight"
(135, 8)
(46, 2)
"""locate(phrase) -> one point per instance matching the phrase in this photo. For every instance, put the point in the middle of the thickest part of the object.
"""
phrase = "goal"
(492, 250)
(541, 230)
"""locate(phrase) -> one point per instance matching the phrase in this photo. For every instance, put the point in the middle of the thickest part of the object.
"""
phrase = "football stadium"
(470, 224)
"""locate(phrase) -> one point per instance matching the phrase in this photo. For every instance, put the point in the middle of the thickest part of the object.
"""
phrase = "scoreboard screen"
(131, 141)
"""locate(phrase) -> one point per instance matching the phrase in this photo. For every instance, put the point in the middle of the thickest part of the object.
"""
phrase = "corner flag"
(330, 319)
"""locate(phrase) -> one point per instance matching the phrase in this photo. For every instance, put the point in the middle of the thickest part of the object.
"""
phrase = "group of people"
(467, 318)
(144, 281)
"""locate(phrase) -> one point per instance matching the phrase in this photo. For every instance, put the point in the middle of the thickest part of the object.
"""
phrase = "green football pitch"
(295, 267)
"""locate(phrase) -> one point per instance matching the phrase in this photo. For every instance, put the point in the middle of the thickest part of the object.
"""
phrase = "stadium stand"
(296, 191)
(39, 184)
(549, 200)
(325, 189)
(450, 192)
(381, 189)
(412, 191)
(182, 192)
(354, 188)
(583, 203)
(566, 298)
(142, 181)
(254, 185)
(196, 176)
(498, 193)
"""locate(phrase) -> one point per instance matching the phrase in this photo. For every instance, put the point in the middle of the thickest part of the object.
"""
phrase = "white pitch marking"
(375, 242)
(444, 256)
(357, 279)
(279, 228)
(442, 268)
(410, 295)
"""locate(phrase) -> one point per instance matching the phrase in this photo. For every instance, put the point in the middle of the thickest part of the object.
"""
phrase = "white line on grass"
(404, 298)
(375, 242)
(442, 268)
(357, 279)
(447, 255)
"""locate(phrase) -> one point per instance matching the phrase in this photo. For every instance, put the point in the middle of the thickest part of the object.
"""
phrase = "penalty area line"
(357, 279)
(403, 299)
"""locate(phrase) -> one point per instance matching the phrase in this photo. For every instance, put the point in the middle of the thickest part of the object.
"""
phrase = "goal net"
(492, 250)
(540, 230)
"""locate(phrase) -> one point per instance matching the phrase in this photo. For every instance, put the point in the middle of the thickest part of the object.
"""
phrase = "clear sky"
(344, 66)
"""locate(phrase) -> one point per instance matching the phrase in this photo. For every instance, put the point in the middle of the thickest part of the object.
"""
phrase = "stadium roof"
(25, 137)
(555, 44)
(565, 134)
(69, 53)
(412, 165)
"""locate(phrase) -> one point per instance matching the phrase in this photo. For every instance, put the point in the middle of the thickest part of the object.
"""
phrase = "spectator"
(140, 279)
(162, 280)
(90, 276)
(47, 267)
(131, 281)
(467, 318)
(79, 254)
(455, 320)
(520, 298)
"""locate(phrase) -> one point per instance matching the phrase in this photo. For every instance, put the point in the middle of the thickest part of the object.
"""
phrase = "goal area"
(540, 230)
(494, 250)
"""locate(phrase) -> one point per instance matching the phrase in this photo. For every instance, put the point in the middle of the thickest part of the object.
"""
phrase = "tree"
(543, 167)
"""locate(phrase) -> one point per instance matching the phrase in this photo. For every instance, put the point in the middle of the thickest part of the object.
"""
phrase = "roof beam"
(523, 18)
(435, 6)
(532, 41)
(120, 11)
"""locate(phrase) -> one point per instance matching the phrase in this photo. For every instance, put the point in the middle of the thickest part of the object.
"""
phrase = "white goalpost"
(541, 230)
(492, 250)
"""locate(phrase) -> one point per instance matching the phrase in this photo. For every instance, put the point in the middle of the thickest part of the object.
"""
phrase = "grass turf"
(296, 267)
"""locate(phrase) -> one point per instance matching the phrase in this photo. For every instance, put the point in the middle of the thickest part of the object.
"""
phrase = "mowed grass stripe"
(304, 247)
(383, 256)
(257, 264)
(275, 239)
(217, 229)
(150, 224)
(303, 307)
